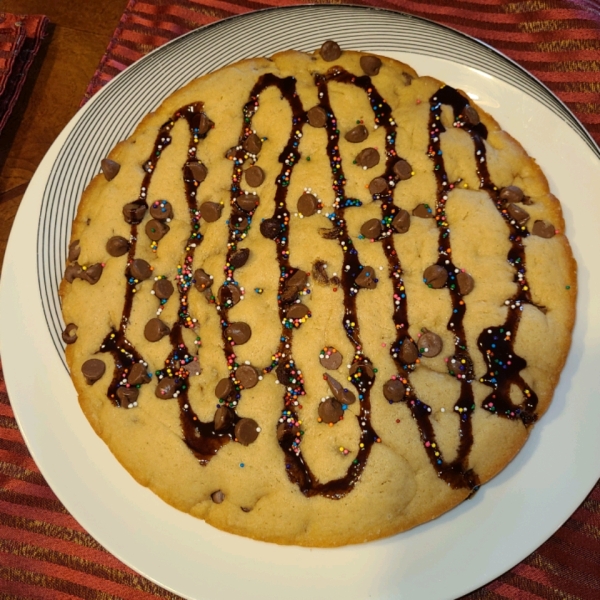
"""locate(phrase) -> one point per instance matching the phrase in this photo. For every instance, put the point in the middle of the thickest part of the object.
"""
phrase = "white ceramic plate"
(466, 548)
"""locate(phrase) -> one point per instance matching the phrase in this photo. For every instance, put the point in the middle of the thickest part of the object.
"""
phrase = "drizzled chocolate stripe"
(496, 343)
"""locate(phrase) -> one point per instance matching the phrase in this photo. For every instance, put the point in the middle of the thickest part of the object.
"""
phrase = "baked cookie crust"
(317, 299)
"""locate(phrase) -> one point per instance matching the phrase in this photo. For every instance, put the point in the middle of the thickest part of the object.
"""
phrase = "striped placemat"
(44, 553)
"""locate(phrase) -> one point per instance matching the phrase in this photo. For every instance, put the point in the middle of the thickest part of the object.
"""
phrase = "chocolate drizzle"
(496, 343)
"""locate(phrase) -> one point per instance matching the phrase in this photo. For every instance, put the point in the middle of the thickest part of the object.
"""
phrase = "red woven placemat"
(44, 553)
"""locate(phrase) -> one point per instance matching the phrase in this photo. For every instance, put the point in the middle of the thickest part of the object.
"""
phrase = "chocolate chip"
(330, 358)
(156, 330)
(166, 388)
(362, 367)
(229, 294)
(138, 374)
(435, 276)
(204, 124)
(402, 170)
(156, 230)
(307, 205)
(117, 246)
(367, 158)
(408, 352)
(68, 335)
(140, 269)
(270, 228)
(247, 376)
(248, 202)
(134, 212)
(330, 411)
(238, 332)
(370, 64)
(511, 193)
(470, 115)
(319, 272)
(231, 153)
(73, 272)
(193, 368)
(224, 418)
(357, 134)
(519, 214)
(401, 221)
(252, 144)
(366, 278)
(465, 283)
(224, 388)
(246, 431)
(163, 289)
(371, 229)
(294, 285)
(127, 395)
(211, 211)
(74, 251)
(254, 176)
(430, 344)
(543, 229)
(330, 51)
(110, 168)
(202, 280)
(161, 210)
(317, 117)
(378, 186)
(196, 171)
(93, 369)
(423, 211)
(394, 390)
(239, 258)
(297, 311)
(92, 273)
(217, 497)
(238, 222)
(342, 394)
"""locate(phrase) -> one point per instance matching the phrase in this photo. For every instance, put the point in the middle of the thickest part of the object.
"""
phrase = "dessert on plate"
(317, 299)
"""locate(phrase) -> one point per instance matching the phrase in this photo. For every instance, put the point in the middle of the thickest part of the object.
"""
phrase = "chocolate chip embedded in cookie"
(239, 332)
(307, 205)
(408, 352)
(367, 158)
(357, 134)
(92, 273)
(224, 418)
(211, 211)
(370, 64)
(74, 251)
(379, 185)
(117, 246)
(465, 283)
(133, 212)
(435, 276)
(254, 176)
(366, 278)
(403, 170)
(163, 289)
(69, 334)
(166, 388)
(330, 358)
(161, 210)
(239, 258)
(247, 376)
(140, 269)
(156, 330)
(317, 117)
(138, 375)
(423, 211)
(252, 144)
(246, 431)
(110, 168)
(371, 229)
(394, 390)
(543, 229)
(511, 193)
(156, 230)
(470, 115)
(196, 171)
(430, 344)
(401, 222)
(128, 396)
(248, 202)
(202, 280)
(93, 369)
(330, 411)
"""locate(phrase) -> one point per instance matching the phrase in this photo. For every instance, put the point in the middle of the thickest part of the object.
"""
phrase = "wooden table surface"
(77, 38)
